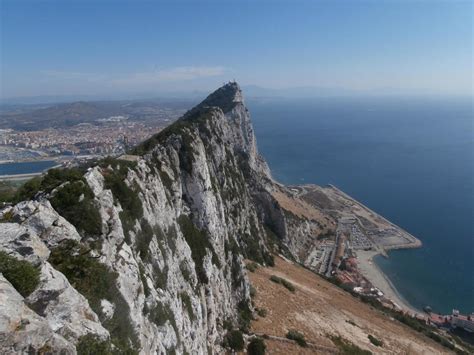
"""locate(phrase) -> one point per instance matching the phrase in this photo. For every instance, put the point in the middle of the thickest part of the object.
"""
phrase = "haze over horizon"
(146, 48)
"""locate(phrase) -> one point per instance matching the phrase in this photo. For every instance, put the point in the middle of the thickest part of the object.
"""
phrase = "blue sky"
(110, 47)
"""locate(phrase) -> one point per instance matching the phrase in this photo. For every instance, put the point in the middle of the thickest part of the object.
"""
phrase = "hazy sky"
(113, 47)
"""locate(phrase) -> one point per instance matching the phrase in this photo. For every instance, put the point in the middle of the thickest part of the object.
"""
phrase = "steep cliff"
(146, 254)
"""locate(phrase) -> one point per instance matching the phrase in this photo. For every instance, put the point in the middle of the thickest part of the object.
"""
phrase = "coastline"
(26, 176)
(19, 176)
(372, 272)
(381, 236)
(399, 239)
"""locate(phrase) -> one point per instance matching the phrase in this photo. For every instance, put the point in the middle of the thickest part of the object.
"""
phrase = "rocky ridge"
(147, 256)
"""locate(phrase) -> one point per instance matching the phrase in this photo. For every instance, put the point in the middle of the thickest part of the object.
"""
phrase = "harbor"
(360, 235)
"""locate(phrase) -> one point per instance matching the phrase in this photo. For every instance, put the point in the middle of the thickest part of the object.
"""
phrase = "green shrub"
(75, 202)
(252, 248)
(347, 348)
(351, 322)
(56, 177)
(90, 277)
(235, 340)
(185, 271)
(160, 276)
(191, 119)
(96, 282)
(298, 337)
(283, 282)
(256, 347)
(171, 237)
(125, 195)
(162, 313)
(143, 239)
(440, 339)
(28, 190)
(128, 223)
(262, 312)
(253, 291)
(20, 273)
(114, 179)
(269, 259)
(252, 266)
(146, 289)
(52, 179)
(166, 180)
(92, 345)
(8, 190)
(245, 315)
(7, 217)
(227, 324)
(188, 305)
(198, 241)
(375, 341)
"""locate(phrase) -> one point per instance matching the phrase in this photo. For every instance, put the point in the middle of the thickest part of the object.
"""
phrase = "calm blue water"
(411, 160)
(26, 167)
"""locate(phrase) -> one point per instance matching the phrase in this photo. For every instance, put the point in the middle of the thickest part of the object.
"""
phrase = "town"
(105, 136)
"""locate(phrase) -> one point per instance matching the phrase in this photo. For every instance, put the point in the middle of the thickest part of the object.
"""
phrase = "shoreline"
(412, 241)
(369, 268)
(383, 234)
(374, 274)
(25, 176)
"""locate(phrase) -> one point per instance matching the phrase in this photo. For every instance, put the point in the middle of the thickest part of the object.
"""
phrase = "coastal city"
(107, 136)
(88, 136)
(112, 136)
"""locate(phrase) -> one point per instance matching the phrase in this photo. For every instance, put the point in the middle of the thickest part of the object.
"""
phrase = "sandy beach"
(372, 272)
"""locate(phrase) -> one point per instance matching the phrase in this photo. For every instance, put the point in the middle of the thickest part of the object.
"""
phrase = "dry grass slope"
(319, 310)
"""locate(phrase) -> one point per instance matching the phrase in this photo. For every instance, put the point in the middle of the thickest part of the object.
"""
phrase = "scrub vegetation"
(96, 282)
(298, 337)
(23, 276)
(256, 347)
(279, 280)
(347, 348)
(115, 173)
(73, 198)
(234, 340)
(198, 241)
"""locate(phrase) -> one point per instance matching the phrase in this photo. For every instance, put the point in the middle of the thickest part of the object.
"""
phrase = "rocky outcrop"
(150, 259)
(23, 330)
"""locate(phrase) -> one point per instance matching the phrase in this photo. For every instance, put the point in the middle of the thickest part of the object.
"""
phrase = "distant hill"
(69, 114)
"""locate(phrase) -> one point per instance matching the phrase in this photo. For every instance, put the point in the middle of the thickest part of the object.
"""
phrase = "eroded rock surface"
(163, 269)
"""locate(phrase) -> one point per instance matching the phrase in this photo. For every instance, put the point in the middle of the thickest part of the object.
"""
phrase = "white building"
(461, 321)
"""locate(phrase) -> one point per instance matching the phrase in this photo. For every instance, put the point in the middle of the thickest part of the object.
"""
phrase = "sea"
(26, 167)
(409, 159)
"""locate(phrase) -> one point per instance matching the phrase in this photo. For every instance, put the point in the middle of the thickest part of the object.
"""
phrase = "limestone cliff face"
(162, 271)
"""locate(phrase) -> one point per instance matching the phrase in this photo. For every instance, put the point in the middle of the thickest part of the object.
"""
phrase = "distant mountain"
(297, 92)
(34, 117)
(62, 115)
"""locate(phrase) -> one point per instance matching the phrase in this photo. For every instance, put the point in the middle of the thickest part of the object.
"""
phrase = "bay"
(26, 167)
